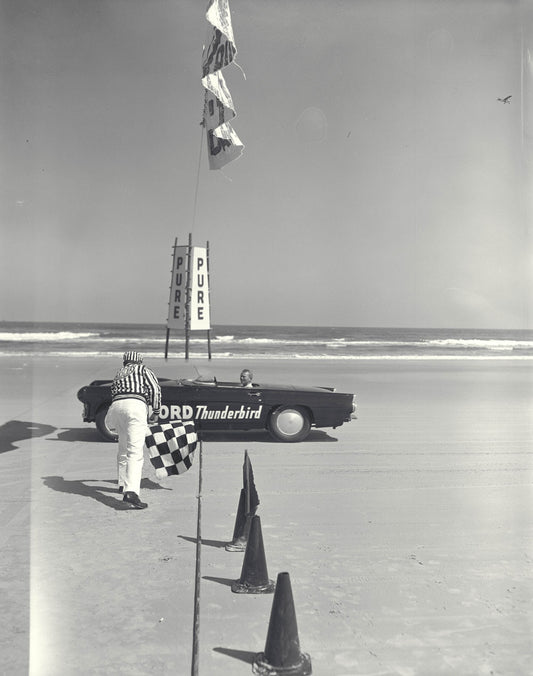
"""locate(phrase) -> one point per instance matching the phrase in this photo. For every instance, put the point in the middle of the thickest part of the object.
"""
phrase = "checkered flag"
(171, 447)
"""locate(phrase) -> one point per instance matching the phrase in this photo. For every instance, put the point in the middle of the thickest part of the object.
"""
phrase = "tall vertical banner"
(199, 281)
(223, 144)
(178, 289)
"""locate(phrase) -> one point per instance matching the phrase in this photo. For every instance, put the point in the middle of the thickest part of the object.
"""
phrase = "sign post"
(208, 299)
(189, 303)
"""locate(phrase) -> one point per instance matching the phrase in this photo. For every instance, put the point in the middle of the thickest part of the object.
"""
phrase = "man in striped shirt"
(135, 389)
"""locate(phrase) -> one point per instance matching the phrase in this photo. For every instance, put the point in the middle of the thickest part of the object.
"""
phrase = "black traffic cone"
(254, 574)
(282, 648)
(248, 503)
(241, 528)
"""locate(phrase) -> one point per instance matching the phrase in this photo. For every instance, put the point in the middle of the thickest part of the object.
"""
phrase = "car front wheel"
(289, 423)
(105, 431)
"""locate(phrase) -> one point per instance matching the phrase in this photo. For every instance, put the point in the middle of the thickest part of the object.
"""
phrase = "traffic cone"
(241, 528)
(248, 503)
(282, 653)
(254, 574)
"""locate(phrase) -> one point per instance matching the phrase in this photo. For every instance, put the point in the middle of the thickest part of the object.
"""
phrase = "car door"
(229, 406)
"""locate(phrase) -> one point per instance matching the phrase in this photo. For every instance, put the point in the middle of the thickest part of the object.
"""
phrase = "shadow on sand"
(219, 580)
(81, 434)
(18, 430)
(98, 493)
(242, 655)
(219, 544)
(260, 436)
(91, 434)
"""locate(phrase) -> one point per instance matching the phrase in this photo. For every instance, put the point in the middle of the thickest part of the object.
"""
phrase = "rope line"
(195, 207)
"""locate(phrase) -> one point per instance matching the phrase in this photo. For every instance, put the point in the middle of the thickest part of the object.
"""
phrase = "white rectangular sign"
(200, 316)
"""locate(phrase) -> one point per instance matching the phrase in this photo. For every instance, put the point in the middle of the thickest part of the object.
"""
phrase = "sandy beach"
(407, 533)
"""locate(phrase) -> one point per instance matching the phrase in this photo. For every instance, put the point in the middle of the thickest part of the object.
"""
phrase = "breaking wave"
(253, 342)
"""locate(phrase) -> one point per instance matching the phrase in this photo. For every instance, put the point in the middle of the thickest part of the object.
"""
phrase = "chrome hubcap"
(290, 422)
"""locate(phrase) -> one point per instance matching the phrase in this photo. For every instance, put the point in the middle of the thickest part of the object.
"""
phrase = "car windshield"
(200, 381)
(203, 381)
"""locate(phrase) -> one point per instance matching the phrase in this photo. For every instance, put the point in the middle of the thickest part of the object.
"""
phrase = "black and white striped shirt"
(138, 381)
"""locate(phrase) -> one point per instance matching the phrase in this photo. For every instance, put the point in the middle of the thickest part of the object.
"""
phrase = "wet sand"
(407, 533)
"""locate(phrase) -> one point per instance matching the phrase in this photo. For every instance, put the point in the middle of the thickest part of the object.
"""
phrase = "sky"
(382, 183)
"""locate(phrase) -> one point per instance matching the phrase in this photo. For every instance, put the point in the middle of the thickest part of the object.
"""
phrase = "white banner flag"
(223, 144)
(220, 48)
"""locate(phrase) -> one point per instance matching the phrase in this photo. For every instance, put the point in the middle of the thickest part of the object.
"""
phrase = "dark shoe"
(134, 501)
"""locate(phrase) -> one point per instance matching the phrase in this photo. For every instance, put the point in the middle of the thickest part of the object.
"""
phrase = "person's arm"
(154, 389)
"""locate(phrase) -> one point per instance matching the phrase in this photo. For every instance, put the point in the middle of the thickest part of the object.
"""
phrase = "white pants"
(129, 417)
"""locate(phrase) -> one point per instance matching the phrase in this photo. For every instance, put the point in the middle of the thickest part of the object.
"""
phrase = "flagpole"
(208, 301)
(188, 298)
(170, 292)
(196, 621)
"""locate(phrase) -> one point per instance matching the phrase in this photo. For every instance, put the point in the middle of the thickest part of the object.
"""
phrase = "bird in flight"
(507, 99)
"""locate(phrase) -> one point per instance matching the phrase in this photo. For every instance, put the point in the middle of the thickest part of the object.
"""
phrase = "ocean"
(263, 342)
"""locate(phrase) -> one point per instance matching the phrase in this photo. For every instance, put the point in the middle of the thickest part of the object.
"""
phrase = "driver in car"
(246, 378)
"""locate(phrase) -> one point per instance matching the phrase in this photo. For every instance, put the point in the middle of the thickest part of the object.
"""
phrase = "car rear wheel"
(105, 431)
(289, 423)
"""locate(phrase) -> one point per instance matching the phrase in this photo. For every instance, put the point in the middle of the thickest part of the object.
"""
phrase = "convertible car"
(286, 411)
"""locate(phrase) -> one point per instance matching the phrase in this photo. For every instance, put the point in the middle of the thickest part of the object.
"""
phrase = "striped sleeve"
(154, 390)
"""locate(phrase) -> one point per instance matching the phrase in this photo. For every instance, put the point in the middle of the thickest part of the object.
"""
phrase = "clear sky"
(382, 182)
